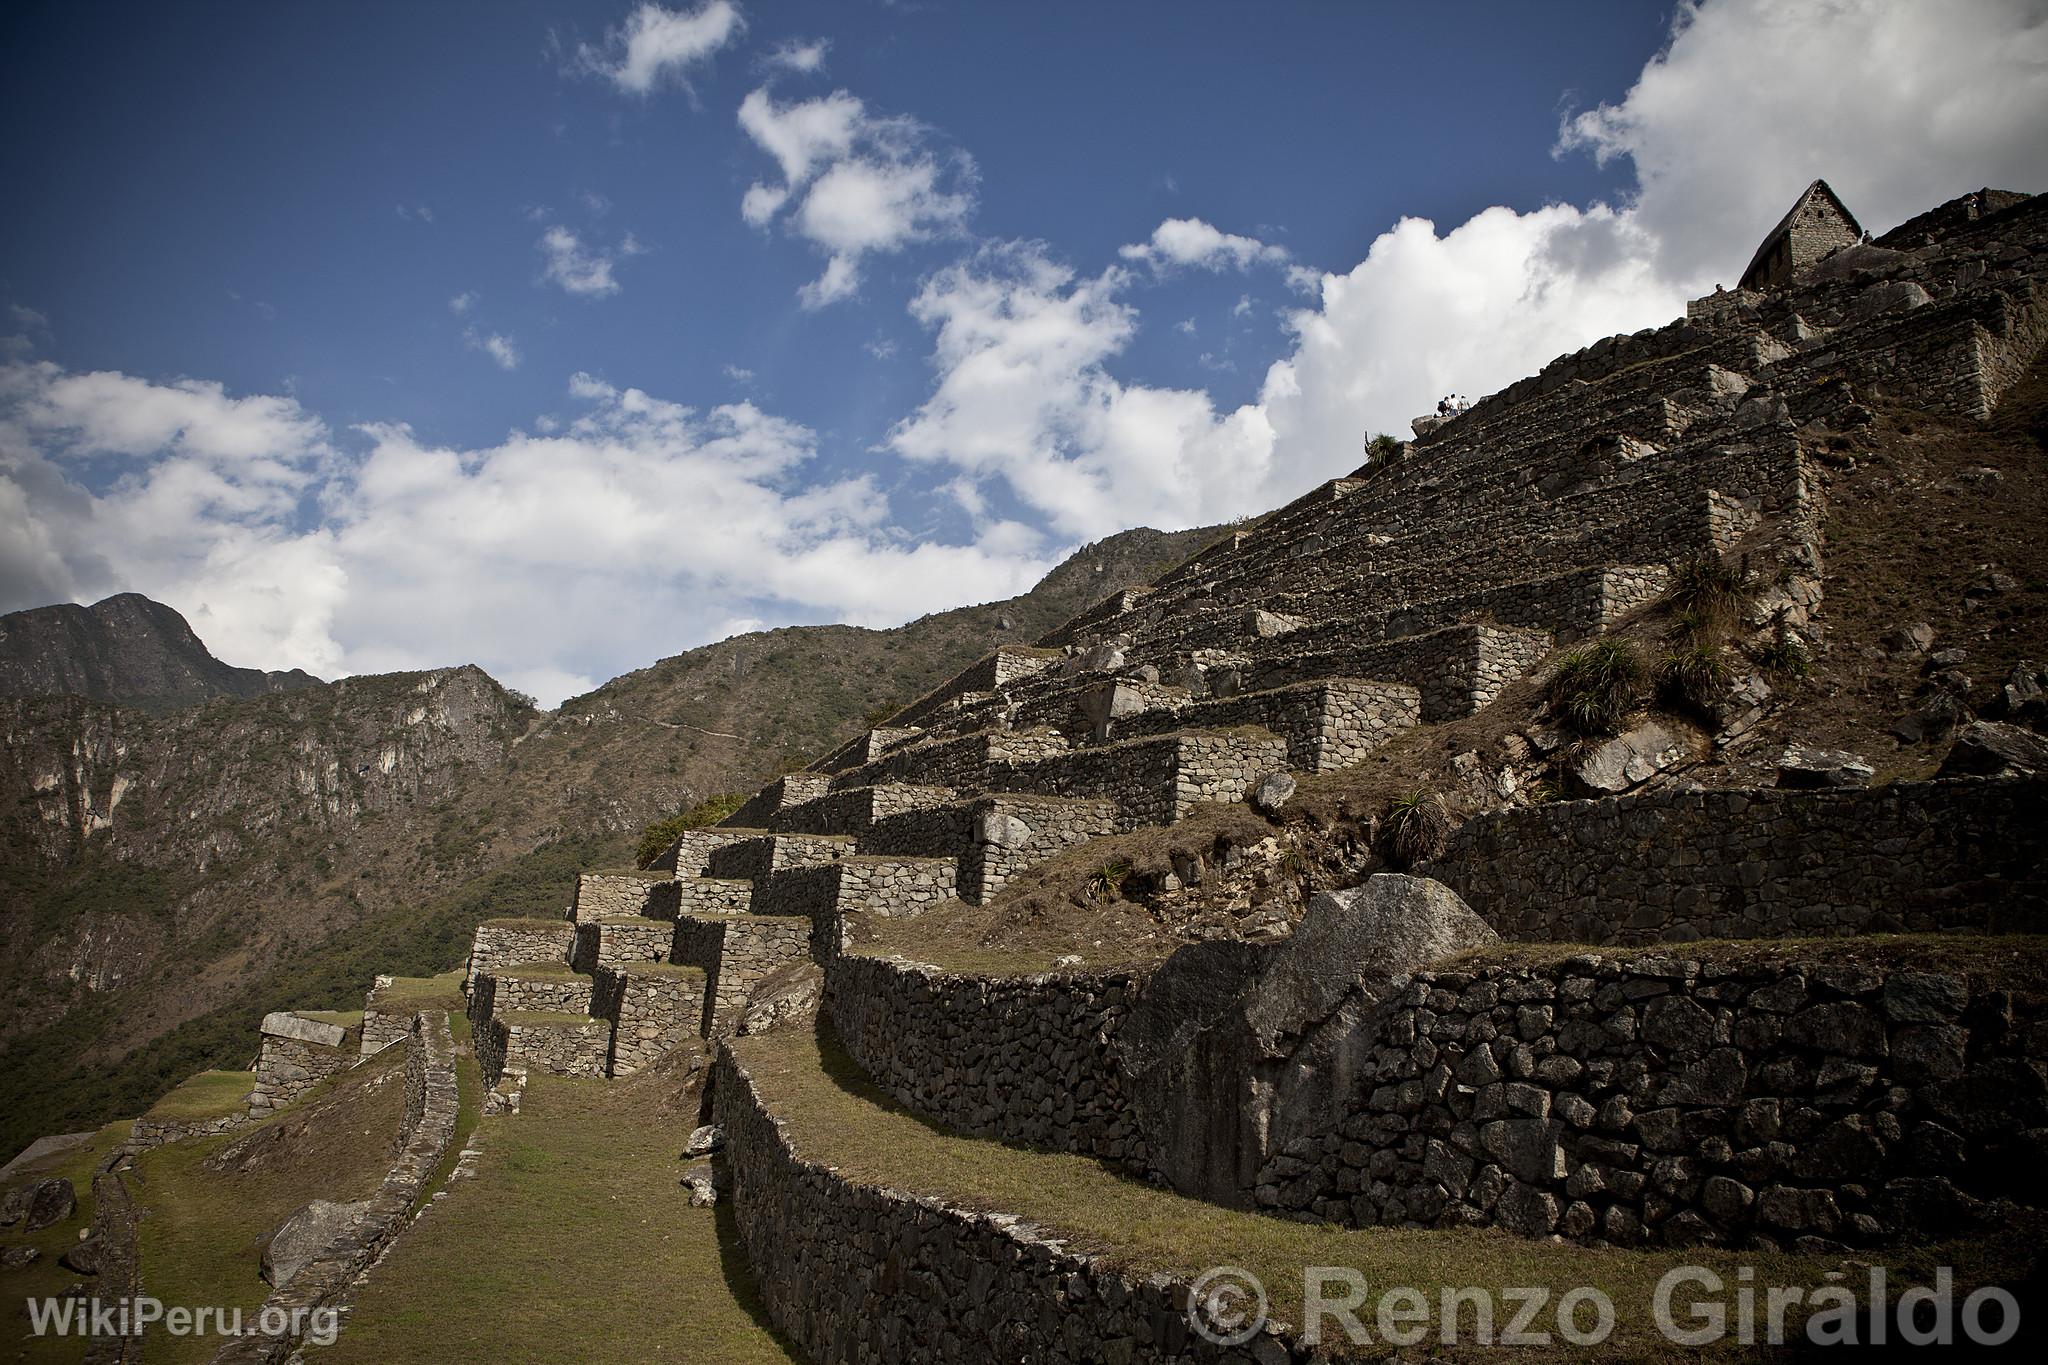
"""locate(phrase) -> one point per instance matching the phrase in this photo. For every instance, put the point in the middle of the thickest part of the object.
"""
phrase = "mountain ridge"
(127, 649)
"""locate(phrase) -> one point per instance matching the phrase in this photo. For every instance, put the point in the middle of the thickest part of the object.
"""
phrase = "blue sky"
(562, 337)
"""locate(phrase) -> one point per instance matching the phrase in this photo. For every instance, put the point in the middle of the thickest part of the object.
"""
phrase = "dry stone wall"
(287, 1068)
(1154, 781)
(734, 952)
(507, 943)
(1664, 1100)
(1022, 1059)
(617, 942)
(618, 895)
(1674, 865)
(856, 1273)
(654, 1011)
(561, 1047)
(427, 1129)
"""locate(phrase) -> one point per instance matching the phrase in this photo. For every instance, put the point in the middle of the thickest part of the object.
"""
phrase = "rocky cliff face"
(126, 649)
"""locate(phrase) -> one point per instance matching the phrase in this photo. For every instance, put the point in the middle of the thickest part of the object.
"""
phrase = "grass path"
(572, 1241)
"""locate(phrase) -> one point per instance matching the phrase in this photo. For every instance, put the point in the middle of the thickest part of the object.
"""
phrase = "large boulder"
(1988, 748)
(50, 1202)
(1232, 1050)
(285, 1024)
(305, 1235)
(1630, 759)
(1805, 767)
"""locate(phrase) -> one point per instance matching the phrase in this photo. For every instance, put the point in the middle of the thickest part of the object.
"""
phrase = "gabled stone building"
(1818, 224)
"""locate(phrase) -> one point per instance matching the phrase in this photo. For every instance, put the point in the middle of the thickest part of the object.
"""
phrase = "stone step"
(618, 942)
(734, 952)
(714, 895)
(617, 894)
(763, 855)
(1154, 780)
(890, 887)
(1456, 671)
(655, 1008)
(500, 943)
(690, 854)
(788, 790)
(854, 810)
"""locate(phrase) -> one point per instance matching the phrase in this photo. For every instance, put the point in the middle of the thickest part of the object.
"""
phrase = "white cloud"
(581, 270)
(854, 183)
(806, 58)
(415, 213)
(502, 350)
(739, 374)
(1899, 106)
(418, 554)
(462, 302)
(1192, 242)
(1186, 327)
(657, 44)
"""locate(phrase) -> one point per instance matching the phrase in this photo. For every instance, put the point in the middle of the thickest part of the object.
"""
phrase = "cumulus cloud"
(853, 183)
(805, 58)
(1192, 242)
(583, 270)
(502, 350)
(1899, 106)
(550, 557)
(656, 45)
(462, 302)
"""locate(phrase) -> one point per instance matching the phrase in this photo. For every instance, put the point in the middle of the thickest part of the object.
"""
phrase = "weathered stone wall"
(1013, 832)
(788, 790)
(656, 1011)
(148, 1132)
(382, 1029)
(835, 1264)
(854, 810)
(287, 1068)
(877, 885)
(1457, 670)
(1675, 865)
(734, 952)
(1154, 781)
(506, 943)
(1023, 1059)
(428, 1127)
(1659, 1099)
(690, 855)
(617, 942)
(561, 1048)
(496, 993)
(714, 895)
(617, 895)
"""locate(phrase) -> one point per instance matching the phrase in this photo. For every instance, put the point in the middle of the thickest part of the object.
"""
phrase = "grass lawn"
(835, 1115)
(46, 1278)
(410, 994)
(572, 1242)
(207, 1095)
(203, 1230)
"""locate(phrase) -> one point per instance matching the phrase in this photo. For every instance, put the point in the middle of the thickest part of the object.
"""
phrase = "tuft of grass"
(1107, 881)
(1710, 591)
(1783, 655)
(1418, 826)
(1597, 685)
(1692, 677)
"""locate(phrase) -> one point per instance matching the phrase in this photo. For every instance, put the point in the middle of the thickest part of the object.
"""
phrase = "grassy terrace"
(527, 922)
(837, 1117)
(207, 1095)
(544, 971)
(203, 1229)
(46, 1278)
(410, 994)
(584, 1176)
